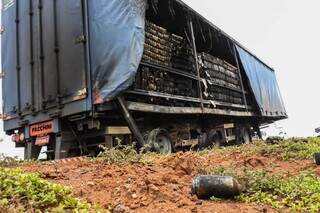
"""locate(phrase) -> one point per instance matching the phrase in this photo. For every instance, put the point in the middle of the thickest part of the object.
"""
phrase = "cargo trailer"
(79, 74)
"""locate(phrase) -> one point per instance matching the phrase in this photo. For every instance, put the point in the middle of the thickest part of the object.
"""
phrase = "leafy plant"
(291, 149)
(29, 192)
(126, 154)
(220, 170)
(297, 192)
(120, 154)
(6, 161)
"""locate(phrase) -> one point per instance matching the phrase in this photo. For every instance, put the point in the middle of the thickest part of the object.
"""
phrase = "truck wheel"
(203, 141)
(215, 139)
(159, 141)
(317, 158)
(244, 137)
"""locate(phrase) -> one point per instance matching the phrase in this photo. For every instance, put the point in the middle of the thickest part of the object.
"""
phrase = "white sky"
(283, 33)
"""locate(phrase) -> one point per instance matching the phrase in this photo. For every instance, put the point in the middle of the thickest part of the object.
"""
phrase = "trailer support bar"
(194, 47)
(132, 124)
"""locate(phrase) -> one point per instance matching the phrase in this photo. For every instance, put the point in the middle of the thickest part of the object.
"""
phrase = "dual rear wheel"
(158, 141)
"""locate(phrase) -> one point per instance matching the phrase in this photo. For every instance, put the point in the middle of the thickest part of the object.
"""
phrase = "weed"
(6, 161)
(30, 193)
(220, 170)
(126, 154)
(291, 149)
(120, 154)
(300, 149)
(298, 193)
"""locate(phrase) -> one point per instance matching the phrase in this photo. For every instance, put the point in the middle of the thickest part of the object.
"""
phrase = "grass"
(126, 154)
(295, 192)
(6, 161)
(298, 193)
(21, 192)
(291, 149)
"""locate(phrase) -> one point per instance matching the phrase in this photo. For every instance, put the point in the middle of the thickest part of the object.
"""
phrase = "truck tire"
(203, 141)
(243, 137)
(317, 158)
(158, 141)
(215, 139)
(246, 137)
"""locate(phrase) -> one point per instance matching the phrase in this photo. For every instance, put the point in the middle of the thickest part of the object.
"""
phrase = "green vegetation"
(300, 149)
(126, 154)
(21, 192)
(297, 192)
(301, 192)
(120, 154)
(291, 149)
(8, 161)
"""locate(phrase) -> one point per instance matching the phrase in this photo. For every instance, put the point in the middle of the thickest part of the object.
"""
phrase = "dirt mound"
(141, 188)
(186, 163)
(164, 186)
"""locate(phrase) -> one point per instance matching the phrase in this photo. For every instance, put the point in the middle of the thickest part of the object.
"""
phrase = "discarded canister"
(208, 186)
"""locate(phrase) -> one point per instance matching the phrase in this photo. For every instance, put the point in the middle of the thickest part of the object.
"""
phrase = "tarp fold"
(116, 45)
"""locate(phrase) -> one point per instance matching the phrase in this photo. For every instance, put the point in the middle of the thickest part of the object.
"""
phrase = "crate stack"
(182, 56)
(173, 52)
(157, 48)
(167, 49)
(151, 79)
(170, 51)
(223, 82)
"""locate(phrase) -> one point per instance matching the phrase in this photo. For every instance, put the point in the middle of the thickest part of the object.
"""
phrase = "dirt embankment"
(164, 186)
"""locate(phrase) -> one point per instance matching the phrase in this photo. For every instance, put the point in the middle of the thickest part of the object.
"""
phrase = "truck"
(80, 74)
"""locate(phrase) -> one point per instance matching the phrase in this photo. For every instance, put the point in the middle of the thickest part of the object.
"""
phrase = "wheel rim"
(162, 145)
(216, 141)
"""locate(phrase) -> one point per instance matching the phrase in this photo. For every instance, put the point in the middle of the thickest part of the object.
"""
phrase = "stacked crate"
(170, 51)
(173, 52)
(167, 49)
(157, 48)
(151, 79)
(182, 56)
(223, 82)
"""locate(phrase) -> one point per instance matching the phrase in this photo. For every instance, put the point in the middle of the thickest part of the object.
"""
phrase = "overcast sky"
(283, 33)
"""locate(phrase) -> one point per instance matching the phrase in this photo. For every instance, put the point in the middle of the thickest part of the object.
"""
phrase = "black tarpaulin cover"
(264, 85)
(116, 45)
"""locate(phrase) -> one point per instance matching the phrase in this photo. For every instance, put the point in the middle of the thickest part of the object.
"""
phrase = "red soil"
(164, 186)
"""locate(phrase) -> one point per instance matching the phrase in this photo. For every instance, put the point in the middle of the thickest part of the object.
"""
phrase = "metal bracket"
(24, 122)
(3, 116)
(56, 114)
(81, 39)
(2, 74)
(132, 124)
(2, 29)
